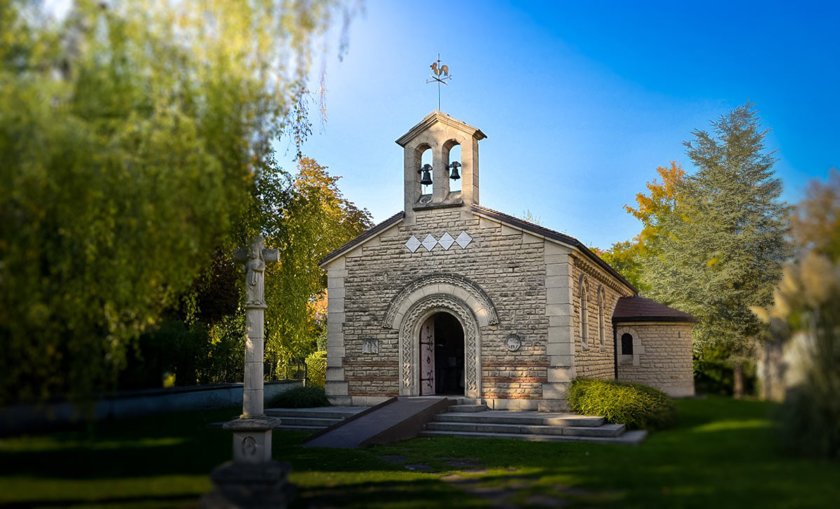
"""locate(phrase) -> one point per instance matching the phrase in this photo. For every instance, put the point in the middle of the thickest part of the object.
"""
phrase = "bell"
(454, 167)
(426, 178)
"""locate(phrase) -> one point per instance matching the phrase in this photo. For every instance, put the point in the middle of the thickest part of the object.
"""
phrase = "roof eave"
(651, 319)
(553, 236)
(362, 239)
(433, 118)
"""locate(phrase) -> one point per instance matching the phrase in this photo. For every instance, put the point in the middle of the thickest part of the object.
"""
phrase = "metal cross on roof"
(440, 75)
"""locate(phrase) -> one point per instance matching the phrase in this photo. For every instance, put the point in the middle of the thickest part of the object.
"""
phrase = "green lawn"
(721, 454)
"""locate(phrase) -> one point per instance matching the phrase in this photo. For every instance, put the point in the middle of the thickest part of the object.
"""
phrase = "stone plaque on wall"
(370, 345)
(513, 342)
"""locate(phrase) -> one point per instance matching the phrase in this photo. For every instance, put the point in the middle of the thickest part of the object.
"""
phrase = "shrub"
(806, 316)
(716, 376)
(809, 422)
(300, 397)
(316, 369)
(636, 406)
(196, 354)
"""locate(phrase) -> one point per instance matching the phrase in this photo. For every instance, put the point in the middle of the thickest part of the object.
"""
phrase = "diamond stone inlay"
(446, 241)
(412, 244)
(429, 242)
(463, 240)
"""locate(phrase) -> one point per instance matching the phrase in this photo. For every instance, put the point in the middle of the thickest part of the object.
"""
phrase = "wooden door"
(427, 357)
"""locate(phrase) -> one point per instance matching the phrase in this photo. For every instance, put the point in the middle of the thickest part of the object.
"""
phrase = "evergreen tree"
(721, 249)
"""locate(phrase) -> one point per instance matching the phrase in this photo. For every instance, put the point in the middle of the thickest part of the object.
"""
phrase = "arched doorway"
(441, 356)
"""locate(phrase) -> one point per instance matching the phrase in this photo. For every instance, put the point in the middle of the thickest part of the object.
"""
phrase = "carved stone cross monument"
(255, 258)
(252, 479)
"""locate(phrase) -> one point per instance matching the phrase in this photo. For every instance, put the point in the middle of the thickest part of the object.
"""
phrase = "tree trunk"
(738, 380)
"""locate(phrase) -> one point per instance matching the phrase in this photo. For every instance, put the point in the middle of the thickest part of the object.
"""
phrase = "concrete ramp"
(390, 421)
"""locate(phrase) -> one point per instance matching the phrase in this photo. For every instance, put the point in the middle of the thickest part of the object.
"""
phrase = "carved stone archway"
(422, 298)
(449, 284)
(409, 344)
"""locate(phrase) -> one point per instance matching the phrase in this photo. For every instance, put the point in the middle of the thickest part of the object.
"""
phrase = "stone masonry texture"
(507, 264)
(664, 360)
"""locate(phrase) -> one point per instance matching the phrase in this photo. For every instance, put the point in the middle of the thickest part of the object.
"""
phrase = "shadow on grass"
(722, 453)
(408, 493)
(166, 500)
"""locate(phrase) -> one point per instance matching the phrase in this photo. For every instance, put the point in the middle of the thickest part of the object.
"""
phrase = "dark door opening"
(442, 356)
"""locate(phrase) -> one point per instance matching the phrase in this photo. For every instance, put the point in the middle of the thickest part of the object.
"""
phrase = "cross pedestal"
(252, 479)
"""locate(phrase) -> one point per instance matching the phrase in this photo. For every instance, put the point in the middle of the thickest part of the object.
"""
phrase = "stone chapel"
(448, 297)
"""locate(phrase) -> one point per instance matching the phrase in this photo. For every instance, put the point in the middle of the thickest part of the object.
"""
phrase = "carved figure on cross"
(254, 259)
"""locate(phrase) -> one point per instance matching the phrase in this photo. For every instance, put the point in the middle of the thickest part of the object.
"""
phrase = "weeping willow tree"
(130, 135)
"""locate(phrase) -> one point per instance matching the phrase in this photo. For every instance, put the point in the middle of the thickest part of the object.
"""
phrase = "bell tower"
(429, 185)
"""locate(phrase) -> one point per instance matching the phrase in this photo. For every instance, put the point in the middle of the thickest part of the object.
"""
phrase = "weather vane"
(440, 75)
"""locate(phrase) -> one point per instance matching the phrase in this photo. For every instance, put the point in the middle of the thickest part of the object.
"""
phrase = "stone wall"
(130, 404)
(533, 287)
(594, 357)
(662, 357)
(506, 263)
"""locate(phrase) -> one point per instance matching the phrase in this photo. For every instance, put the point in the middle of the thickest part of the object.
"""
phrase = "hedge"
(316, 369)
(636, 406)
(300, 397)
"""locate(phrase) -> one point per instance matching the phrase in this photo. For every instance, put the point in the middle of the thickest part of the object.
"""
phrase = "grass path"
(720, 454)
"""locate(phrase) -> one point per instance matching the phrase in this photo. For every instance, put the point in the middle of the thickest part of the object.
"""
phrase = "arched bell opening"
(425, 172)
(442, 349)
(452, 160)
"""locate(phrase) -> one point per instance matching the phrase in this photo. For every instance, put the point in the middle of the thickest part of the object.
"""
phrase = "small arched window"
(626, 344)
(584, 304)
(601, 316)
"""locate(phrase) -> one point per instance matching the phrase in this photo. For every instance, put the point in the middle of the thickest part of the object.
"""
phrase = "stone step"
(459, 400)
(298, 427)
(468, 408)
(630, 437)
(605, 430)
(329, 412)
(521, 418)
(307, 421)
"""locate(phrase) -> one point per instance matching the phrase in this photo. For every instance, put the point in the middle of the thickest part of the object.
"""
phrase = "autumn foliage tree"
(653, 208)
(815, 223)
(310, 220)
(629, 257)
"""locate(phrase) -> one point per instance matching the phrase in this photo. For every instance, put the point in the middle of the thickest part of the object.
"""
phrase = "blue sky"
(581, 101)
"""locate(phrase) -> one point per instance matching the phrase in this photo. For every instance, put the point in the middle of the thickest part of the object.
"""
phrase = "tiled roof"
(498, 216)
(640, 309)
(551, 234)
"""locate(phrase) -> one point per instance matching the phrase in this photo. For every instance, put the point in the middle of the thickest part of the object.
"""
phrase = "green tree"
(721, 249)
(129, 135)
(627, 258)
(306, 221)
